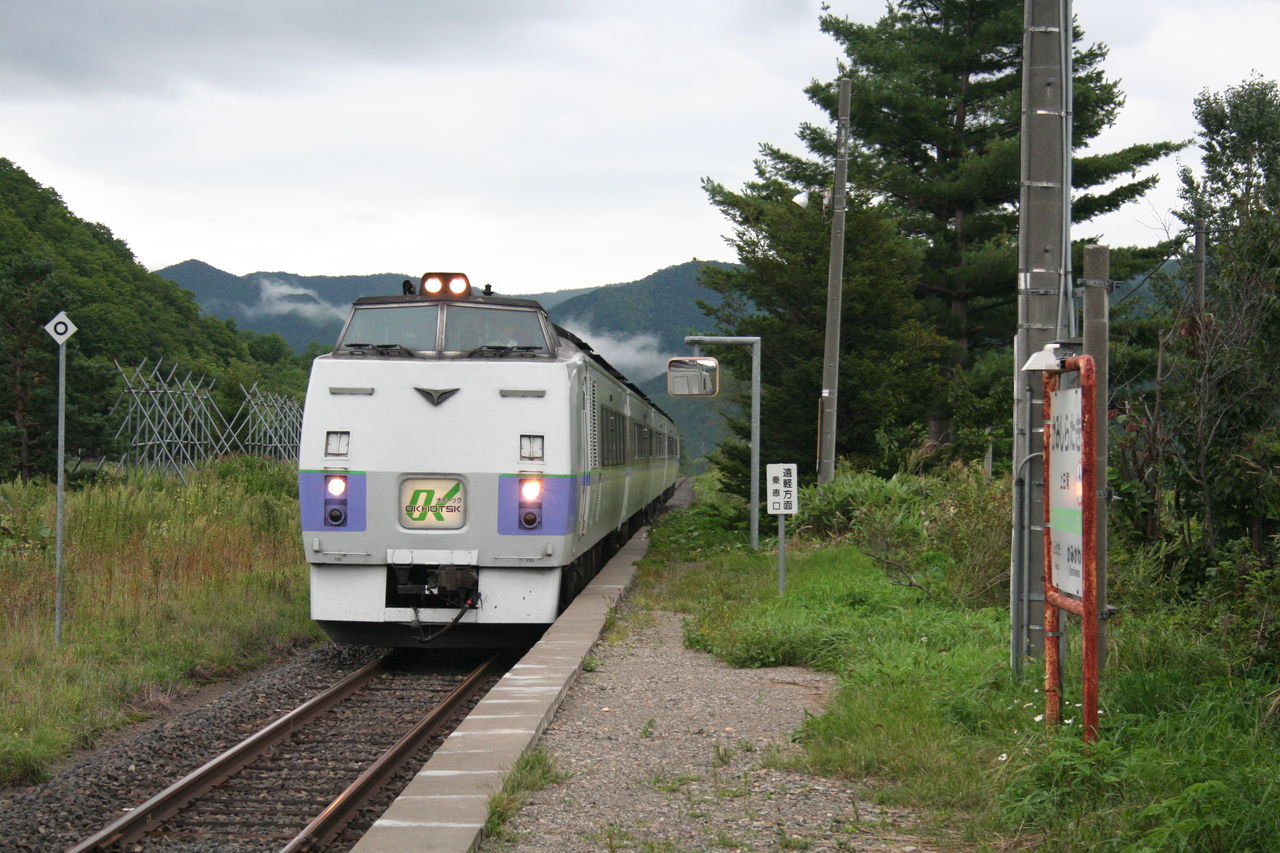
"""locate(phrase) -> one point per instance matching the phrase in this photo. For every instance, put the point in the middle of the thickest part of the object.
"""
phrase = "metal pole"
(755, 444)
(835, 285)
(696, 341)
(62, 448)
(782, 553)
(1097, 332)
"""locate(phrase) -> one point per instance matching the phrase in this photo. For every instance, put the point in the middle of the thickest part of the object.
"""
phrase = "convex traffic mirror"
(697, 376)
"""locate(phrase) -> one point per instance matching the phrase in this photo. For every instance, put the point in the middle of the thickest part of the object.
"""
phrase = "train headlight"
(335, 501)
(450, 284)
(529, 511)
(530, 490)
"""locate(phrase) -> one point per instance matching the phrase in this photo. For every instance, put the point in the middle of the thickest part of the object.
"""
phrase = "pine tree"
(934, 125)
(889, 354)
(934, 158)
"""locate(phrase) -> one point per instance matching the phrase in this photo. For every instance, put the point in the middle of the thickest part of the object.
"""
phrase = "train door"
(628, 455)
(590, 449)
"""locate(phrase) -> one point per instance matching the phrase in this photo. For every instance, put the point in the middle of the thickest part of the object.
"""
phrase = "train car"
(466, 466)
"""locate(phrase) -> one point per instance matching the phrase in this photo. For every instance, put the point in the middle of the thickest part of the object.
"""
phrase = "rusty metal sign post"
(1070, 530)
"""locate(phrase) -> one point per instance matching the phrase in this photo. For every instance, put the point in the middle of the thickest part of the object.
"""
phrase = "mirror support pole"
(754, 342)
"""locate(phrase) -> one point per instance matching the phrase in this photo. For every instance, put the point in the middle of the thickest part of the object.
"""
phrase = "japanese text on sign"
(782, 489)
(1065, 489)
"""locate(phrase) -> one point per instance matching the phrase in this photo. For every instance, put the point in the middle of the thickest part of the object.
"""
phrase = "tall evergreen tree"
(934, 137)
(934, 125)
(889, 354)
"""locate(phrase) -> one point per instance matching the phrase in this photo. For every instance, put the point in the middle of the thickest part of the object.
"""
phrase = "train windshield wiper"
(501, 349)
(399, 350)
(395, 349)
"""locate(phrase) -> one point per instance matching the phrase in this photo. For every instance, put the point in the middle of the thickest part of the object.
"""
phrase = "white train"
(466, 466)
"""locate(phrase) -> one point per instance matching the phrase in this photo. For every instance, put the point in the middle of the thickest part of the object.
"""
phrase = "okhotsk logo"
(434, 504)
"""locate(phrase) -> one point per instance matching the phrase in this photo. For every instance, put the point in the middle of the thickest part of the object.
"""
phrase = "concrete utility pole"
(1044, 293)
(835, 292)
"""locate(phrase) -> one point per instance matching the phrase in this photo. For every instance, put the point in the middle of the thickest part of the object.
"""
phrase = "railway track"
(296, 784)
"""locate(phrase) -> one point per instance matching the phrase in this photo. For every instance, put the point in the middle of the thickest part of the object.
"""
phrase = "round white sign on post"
(60, 328)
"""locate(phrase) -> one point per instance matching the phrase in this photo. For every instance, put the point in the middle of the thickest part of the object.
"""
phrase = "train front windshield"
(468, 328)
(410, 326)
(398, 330)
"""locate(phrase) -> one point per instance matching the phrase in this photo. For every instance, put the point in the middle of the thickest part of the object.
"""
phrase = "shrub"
(946, 534)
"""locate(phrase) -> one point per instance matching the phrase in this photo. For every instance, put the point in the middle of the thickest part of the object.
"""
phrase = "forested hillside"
(301, 309)
(51, 261)
(310, 309)
(664, 304)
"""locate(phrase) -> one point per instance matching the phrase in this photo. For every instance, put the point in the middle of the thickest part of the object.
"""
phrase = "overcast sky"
(535, 144)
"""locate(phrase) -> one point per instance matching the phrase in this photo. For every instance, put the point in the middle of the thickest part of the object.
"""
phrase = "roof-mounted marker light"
(454, 284)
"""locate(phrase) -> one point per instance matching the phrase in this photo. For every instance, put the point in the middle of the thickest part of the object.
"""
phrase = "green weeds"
(913, 622)
(165, 584)
(533, 771)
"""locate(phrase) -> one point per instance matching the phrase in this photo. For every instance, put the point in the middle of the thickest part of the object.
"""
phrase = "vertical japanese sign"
(782, 489)
(783, 500)
(1066, 488)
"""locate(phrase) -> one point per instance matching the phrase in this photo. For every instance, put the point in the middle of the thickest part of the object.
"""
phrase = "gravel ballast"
(132, 766)
(666, 749)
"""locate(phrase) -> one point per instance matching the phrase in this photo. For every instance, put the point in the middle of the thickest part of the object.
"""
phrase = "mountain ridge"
(307, 308)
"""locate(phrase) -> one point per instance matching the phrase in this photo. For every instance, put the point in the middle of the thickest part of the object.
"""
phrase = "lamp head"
(1045, 359)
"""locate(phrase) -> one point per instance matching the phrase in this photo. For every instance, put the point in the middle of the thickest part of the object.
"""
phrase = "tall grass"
(165, 584)
(1189, 753)
(945, 533)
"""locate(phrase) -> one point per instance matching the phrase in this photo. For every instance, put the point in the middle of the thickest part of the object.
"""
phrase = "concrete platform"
(444, 808)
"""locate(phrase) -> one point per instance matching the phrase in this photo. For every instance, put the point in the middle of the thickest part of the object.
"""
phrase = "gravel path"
(666, 751)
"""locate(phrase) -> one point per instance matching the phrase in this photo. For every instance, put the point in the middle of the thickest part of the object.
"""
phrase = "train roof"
(417, 298)
(515, 302)
(609, 368)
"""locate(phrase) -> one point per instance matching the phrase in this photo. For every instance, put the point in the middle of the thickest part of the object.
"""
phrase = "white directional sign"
(60, 328)
(782, 488)
(1066, 489)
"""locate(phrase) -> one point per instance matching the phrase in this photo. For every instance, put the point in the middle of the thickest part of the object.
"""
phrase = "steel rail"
(146, 817)
(339, 813)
